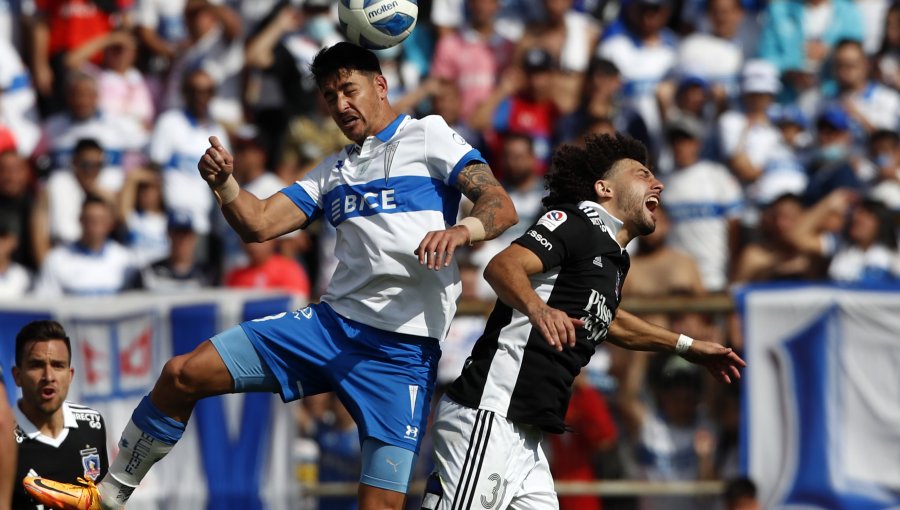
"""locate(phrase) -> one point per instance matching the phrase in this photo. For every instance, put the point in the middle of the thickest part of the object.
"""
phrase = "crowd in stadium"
(774, 127)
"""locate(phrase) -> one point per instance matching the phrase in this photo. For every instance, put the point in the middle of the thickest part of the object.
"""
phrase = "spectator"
(740, 494)
(282, 90)
(883, 166)
(658, 269)
(832, 166)
(61, 26)
(867, 249)
(717, 54)
(269, 270)
(179, 141)
(142, 213)
(869, 104)
(570, 38)
(119, 136)
(774, 256)
(18, 100)
(665, 431)
(887, 61)
(213, 46)
(601, 102)
(704, 201)
(473, 55)
(93, 265)
(61, 199)
(592, 432)
(179, 271)
(162, 33)
(522, 103)
(748, 138)
(798, 35)
(644, 50)
(15, 280)
(17, 204)
(56, 437)
(122, 89)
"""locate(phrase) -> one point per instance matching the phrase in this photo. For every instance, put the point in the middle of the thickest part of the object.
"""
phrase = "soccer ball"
(377, 24)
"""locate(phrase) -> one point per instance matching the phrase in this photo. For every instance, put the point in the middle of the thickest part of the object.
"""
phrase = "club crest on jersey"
(90, 461)
(552, 219)
(389, 152)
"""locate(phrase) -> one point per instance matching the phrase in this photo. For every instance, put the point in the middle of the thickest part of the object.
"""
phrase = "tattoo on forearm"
(477, 182)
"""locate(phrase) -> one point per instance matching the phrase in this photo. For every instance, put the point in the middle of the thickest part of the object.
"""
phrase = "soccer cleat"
(63, 496)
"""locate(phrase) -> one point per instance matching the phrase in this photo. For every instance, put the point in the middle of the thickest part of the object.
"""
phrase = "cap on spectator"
(692, 80)
(247, 135)
(537, 59)
(180, 220)
(316, 4)
(685, 126)
(788, 114)
(657, 3)
(834, 117)
(760, 77)
(8, 227)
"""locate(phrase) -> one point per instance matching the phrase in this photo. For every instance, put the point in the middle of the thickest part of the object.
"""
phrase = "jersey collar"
(32, 432)
(613, 224)
(388, 132)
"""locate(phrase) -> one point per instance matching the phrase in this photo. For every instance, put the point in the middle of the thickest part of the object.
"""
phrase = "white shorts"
(484, 461)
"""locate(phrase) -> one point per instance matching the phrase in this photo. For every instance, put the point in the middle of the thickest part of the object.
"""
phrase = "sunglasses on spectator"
(89, 165)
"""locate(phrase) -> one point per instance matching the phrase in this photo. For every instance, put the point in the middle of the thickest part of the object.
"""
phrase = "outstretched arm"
(631, 332)
(253, 219)
(492, 213)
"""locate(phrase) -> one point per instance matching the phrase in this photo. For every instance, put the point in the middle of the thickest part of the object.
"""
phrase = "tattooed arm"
(493, 208)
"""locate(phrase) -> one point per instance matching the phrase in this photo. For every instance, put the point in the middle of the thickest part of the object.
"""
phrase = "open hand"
(436, 249)
(722, 362)
(556, 327)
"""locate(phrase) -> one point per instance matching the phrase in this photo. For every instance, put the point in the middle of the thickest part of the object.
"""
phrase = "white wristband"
(475, 228)
(683, 344)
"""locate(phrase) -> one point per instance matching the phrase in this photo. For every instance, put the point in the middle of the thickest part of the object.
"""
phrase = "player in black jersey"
(56, 439)
(559, 287)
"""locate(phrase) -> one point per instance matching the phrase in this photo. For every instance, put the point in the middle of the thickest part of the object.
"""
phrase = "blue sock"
(151, 420)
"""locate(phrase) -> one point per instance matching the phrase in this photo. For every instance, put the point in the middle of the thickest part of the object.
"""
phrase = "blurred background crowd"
(773, 125)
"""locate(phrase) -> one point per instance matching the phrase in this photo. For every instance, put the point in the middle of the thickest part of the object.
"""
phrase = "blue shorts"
(384, 379)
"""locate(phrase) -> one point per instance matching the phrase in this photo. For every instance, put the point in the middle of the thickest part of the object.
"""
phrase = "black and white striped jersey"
(513, 371)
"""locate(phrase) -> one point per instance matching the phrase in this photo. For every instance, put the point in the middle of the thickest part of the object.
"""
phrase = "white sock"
(138, 452)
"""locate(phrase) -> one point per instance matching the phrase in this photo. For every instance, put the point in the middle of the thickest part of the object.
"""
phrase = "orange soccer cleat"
(63, 496)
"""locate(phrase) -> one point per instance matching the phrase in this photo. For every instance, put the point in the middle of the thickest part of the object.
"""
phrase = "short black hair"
(739, 488)
(87, 144)
(93, 198)
(849, 42)
(343, 57)
(574, 170)
(40, 330)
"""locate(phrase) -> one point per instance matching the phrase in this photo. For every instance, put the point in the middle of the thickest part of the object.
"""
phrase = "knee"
(179, 376)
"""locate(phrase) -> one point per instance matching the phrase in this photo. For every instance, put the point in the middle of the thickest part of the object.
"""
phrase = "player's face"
(44, 376)
(636, 194)
(354, 102)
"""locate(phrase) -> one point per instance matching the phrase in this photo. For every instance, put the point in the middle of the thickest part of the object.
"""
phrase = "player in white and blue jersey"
(373, 340)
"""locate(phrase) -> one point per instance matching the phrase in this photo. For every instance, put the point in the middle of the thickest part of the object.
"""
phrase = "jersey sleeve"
(446, 152)
(558, 235)
(307, 193)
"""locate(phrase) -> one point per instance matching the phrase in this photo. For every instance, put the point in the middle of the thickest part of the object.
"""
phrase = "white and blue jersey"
(383, 197)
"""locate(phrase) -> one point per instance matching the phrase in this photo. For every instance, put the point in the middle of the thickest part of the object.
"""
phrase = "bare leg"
(375, 498)
(187, 378)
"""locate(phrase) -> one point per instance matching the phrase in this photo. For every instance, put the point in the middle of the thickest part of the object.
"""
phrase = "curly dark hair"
(574, 170)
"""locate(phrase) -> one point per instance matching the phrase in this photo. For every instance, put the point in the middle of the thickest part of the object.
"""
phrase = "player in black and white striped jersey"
(56, 438)
(559, 287)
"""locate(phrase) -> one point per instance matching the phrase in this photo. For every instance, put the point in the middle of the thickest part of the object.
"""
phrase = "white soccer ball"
(377, 24)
